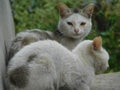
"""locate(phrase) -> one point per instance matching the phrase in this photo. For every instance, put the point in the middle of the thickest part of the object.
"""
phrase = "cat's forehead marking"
(77, 18)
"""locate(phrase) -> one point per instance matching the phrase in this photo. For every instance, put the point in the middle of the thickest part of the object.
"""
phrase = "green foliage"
(30, 14)
(108, 27)
(43, 14)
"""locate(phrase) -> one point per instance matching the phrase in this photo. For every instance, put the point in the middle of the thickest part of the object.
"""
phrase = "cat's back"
(37, 34)
(46, 46)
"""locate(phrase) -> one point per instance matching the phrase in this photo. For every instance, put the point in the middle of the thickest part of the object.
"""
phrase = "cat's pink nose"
(76, 31)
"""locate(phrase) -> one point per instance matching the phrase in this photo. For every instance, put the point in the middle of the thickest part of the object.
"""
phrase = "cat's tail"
(21, 70)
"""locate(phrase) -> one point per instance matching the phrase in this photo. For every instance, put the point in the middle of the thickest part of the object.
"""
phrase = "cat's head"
(100, 55)
(94, 53)
(75, 23)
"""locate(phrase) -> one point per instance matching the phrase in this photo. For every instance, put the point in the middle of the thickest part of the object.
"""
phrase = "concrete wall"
(6, 36)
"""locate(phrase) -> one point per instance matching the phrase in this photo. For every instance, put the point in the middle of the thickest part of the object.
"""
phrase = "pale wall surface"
(6, 36)
(110, 81)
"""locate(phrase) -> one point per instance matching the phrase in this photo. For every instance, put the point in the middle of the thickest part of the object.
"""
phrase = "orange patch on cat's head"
(97, 43)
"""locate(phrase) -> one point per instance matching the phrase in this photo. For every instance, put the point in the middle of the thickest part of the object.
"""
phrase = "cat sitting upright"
(47, 65)
(73, 26)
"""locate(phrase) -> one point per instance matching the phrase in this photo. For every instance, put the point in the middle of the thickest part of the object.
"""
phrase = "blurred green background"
(43, 14)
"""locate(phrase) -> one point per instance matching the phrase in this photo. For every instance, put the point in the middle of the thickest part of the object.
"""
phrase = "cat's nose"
(76, 31)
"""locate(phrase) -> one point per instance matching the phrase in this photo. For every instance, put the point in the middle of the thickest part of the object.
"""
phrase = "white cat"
(47, 65)
(73, 26)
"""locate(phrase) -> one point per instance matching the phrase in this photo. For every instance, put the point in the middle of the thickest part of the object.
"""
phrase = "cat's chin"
(77, 36)
(74, 36)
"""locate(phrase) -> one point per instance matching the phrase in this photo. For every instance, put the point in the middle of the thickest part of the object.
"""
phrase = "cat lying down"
(73, 26)
(47, 65)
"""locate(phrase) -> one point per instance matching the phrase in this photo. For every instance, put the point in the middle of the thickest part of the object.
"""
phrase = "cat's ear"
(88, 10)
(97, 43)
(64, 10)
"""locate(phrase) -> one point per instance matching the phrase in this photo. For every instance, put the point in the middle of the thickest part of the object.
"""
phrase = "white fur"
(69, 37)
(55, 64)
(76, 19)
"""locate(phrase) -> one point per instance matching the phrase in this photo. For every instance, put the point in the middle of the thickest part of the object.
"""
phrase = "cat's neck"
(68, 42)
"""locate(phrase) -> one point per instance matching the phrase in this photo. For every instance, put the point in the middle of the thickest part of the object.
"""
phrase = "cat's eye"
(82, 23)
(69, 23)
